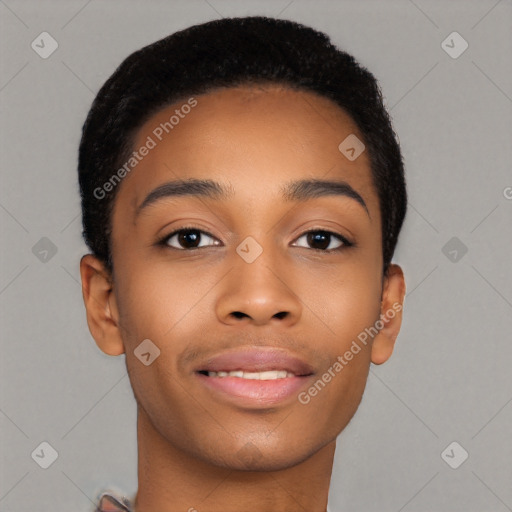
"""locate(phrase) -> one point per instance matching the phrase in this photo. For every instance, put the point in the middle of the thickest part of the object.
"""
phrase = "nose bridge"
(256, 290)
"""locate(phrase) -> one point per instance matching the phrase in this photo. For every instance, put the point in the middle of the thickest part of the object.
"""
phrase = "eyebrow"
(300, 190)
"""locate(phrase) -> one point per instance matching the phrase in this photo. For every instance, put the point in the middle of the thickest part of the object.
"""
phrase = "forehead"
(252, 139)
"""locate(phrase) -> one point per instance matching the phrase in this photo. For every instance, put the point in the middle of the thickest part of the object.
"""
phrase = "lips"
(259, 359)
(240, 377)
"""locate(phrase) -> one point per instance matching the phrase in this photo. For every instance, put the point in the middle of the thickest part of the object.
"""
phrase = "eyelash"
(164, 240)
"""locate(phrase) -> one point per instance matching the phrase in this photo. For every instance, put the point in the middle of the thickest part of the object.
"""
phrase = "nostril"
(281, 314)
(238, 314)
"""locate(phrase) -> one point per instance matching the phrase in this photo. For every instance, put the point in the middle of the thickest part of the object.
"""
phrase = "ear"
(101, 306)
(393, 294)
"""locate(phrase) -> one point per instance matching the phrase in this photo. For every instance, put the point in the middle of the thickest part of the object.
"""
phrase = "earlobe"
(101, 306)
(390, 316)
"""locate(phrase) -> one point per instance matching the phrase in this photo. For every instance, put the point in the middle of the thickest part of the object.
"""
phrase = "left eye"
(323, 240)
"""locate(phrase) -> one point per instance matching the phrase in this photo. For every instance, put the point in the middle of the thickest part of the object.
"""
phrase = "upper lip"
(256, 360)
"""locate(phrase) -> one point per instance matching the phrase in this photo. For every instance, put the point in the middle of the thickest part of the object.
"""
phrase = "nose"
(258, 293)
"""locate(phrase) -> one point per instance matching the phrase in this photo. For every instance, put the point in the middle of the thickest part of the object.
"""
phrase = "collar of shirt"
(109, 502)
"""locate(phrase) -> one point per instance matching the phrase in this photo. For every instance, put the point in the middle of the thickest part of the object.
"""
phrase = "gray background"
(449, 378)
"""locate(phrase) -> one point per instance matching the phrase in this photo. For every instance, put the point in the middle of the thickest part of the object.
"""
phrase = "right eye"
(188, 238)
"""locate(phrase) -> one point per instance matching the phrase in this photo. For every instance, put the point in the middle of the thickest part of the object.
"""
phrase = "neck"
(172, 480)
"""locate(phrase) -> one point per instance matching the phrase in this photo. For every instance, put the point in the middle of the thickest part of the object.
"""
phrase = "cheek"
(152, 301)
(162, 305)
(335, 395)
(344, 308)
(346, 305)
(154, 305)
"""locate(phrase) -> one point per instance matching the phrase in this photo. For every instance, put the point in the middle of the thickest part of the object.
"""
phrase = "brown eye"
(189, 239)
(323, 240)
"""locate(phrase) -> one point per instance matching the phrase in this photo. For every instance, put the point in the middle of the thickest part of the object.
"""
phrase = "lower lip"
(254, 391)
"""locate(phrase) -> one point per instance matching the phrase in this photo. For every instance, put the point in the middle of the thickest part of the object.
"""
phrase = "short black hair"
(227, 53)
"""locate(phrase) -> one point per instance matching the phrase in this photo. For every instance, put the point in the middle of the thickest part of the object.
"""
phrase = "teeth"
(271, 375)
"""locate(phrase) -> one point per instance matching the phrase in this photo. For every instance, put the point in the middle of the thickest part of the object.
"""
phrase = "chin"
(250, 458)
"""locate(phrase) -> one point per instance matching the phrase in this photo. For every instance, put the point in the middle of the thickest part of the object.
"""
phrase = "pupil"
(320, 237)
(189, 238)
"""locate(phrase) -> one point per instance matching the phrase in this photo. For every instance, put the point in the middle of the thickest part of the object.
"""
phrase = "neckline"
(110, 502)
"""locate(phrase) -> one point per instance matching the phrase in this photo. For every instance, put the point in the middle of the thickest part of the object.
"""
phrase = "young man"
(242, 194)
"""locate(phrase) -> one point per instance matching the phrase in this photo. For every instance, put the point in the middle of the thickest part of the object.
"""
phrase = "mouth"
(254, 363)
(254, 378)
(242, 374)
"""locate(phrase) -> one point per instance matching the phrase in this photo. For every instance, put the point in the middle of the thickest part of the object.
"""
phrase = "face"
(247, 261)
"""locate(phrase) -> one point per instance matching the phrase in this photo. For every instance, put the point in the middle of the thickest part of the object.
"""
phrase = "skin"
(197, 450)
